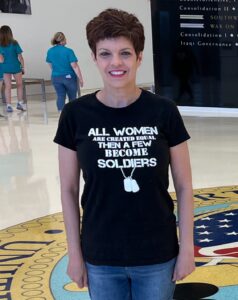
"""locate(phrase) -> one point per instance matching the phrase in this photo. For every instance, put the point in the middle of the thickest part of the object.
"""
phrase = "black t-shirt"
(128, 214)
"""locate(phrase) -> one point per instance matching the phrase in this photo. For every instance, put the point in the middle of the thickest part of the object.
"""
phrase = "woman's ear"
(139, 58)
(93, 57)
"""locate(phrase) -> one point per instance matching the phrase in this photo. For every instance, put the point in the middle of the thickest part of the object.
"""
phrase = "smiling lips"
(117, 73)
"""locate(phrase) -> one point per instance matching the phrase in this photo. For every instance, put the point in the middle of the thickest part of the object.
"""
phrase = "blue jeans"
(152, 282)
(65, 86)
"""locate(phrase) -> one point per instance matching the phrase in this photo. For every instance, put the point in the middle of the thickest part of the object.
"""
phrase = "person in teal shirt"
(1, 76)
(65, 70)
(13, 65)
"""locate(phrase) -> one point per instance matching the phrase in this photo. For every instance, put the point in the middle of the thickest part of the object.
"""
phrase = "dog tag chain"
(130, 184)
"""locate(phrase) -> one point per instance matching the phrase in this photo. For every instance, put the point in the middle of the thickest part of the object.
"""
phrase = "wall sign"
(195, 45)
(15, 6)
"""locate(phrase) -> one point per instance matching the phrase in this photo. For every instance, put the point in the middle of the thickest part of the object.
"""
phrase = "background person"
(127, 248)
(65, 70)
(1, 76)
(1, 82)
(13, 65)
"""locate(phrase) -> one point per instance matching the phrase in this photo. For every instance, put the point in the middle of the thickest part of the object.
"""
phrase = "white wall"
(35, 31)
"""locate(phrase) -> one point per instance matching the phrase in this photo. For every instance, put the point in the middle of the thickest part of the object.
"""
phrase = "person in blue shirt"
(65, 70)
(1, 77)
(13, 65)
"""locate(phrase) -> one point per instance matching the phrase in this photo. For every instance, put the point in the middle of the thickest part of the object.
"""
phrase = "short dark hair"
(113, 23)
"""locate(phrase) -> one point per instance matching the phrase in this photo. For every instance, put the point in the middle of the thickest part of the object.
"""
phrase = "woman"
(13, 65)
(124, 139)
(65, 70)
(1, 76)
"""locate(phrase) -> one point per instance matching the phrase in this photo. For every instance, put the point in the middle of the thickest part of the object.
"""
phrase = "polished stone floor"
(33, 247)
(29, 181)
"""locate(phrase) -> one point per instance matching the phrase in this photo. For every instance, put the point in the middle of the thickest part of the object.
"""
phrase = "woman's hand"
(81, 82)
(77, 272)
(184, 266)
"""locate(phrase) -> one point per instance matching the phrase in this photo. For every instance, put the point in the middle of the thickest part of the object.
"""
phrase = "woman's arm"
(21, 60)
(69, 183)
(181, 172)
(77, 71)
(1, 58)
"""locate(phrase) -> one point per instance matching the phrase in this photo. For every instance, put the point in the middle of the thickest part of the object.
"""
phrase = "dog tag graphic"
(134, 186)
(127, 184)
(130, 184)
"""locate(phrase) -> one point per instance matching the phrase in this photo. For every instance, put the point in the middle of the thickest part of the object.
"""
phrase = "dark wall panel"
(195, 44)
(15, 6)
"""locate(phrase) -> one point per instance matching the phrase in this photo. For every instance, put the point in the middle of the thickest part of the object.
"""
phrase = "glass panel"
(195, 46)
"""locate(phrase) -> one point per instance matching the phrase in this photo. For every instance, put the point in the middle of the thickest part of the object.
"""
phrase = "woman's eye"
(104, 54)
(126, 53)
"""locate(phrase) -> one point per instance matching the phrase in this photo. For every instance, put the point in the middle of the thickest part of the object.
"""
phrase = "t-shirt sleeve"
(18, 49)
(175, 130)
(72, 56)
(48, 57)
(65, 134)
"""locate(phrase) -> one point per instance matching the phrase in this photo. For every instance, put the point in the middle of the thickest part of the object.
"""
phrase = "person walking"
(65, 70)
(124, 139)
(1, 76)
(1, 82)
(13, 65)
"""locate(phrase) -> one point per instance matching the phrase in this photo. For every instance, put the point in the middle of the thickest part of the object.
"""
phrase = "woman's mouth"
(117, 73)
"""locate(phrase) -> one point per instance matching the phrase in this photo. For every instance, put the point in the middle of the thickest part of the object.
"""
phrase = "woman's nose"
(116, 60)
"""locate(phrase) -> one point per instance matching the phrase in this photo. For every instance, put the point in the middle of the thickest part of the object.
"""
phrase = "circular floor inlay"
(34, 259)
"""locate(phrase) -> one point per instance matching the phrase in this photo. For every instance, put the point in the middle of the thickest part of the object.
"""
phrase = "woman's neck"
(118, 97)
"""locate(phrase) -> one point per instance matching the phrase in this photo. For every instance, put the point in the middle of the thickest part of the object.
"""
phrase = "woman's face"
(117, 62)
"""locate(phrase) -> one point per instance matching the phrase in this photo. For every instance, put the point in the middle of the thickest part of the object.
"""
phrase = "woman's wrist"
(189, 249)
(75, 256)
